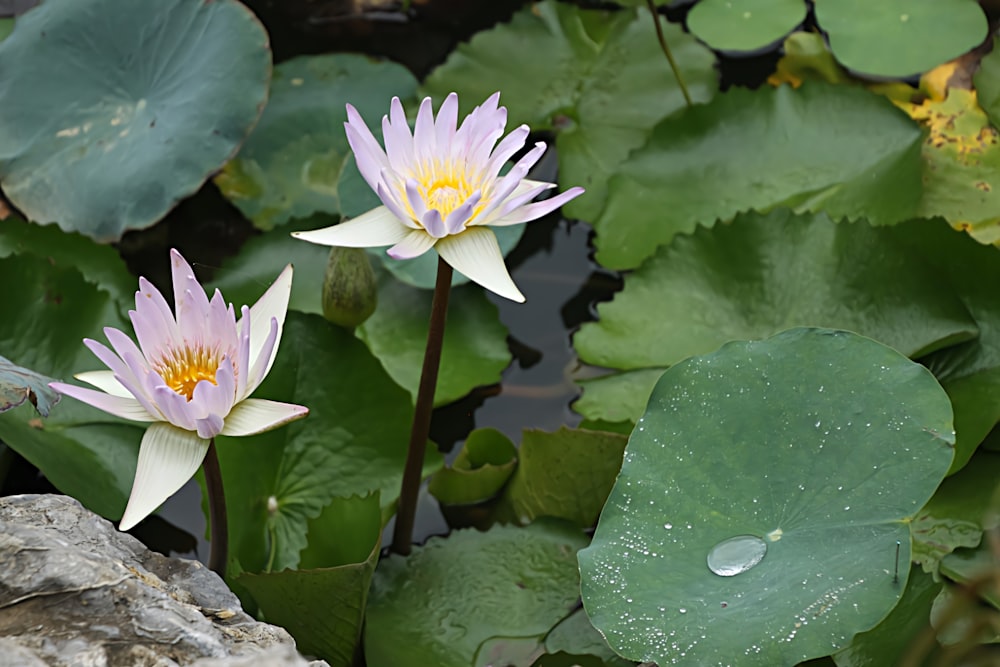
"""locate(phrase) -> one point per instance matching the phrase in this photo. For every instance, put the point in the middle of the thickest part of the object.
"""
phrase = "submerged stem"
(402, 537)
(666, 51)
(219, 553)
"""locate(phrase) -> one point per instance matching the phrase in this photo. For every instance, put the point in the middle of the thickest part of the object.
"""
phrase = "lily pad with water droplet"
(783, 440)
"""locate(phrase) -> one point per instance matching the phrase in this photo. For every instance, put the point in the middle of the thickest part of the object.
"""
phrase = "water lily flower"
(441, 188)
(190, 375)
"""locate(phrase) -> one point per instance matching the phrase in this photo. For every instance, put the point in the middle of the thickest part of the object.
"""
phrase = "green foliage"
(744, 26)
(567, 475)
(480, 470)
(114, 111)
(753, 278)
(473, 598)
(887, 641)
(900, 38)
(827, 148)
(84, 452)
(297, 161)
(353, 442)
(603, 88)
(772, 440)
(953, 518)
(323, 603)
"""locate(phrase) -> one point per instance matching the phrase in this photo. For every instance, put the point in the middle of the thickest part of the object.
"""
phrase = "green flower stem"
(666, 51)
(402, 537)
(219, 553)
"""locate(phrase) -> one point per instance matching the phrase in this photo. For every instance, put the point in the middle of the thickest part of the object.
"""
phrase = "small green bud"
(350, 292)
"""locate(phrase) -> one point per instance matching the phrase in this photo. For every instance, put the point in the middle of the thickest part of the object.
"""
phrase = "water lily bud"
(350, 293)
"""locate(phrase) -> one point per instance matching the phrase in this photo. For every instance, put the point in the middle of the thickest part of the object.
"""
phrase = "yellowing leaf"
(961, 160)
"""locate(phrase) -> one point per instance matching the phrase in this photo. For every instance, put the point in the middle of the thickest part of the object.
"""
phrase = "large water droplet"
(736, 555)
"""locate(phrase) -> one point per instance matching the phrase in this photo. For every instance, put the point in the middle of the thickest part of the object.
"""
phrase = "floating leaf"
(297, 161)
(970, 566)
(576, 636)
(753, 278)
(604, 86)
(987, 81)
(353, 442)
(475, 348)
(901, 37)
(475, 342)
(962, 159)
(969, 372)
(18, 384)
(762, 496)
(100, 264)
(84, 452)
(566, 475)
(890, 639)
(480, 470)
(747, 26)
(423, 609)
(837, 149)
(115, 111)
(804, 58)
(953, 518)
(323, 604)
(619, 397)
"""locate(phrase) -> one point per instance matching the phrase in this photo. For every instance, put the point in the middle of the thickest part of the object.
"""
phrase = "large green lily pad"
(838, 149)
(353, 442)
(297, 161)
(753, 278)
(473, 599)
(784, 445)
(604, 86)
(890, 639)
(900, 38)
(113, 111)
(744, 26)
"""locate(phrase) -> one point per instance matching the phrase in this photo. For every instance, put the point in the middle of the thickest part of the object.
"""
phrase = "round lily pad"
(900, 38)
(113, 111)
(761, 500)
(748, 26)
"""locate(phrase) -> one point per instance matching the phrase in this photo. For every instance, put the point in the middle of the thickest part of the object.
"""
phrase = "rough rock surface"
(74, 591)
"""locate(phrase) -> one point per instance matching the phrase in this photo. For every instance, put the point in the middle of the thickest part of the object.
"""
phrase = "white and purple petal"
(168, 458)
(256, 415)
(476, 254)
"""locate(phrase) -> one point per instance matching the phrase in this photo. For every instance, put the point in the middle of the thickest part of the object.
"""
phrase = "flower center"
(185, 368)
(445, 187)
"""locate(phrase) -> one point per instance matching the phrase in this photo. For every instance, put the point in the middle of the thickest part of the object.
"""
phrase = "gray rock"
(76, 592)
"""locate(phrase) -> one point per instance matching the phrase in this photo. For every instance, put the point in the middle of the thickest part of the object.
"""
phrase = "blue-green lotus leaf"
(113, 111)
(761, 500)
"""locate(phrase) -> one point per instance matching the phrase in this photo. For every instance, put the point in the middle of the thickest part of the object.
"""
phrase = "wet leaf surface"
(776, 444)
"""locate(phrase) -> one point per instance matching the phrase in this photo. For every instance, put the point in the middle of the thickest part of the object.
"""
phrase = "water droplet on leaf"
(736, 555)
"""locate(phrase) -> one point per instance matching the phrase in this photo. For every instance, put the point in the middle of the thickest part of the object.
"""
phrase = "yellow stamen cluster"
(184, 368)
(445, 186)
